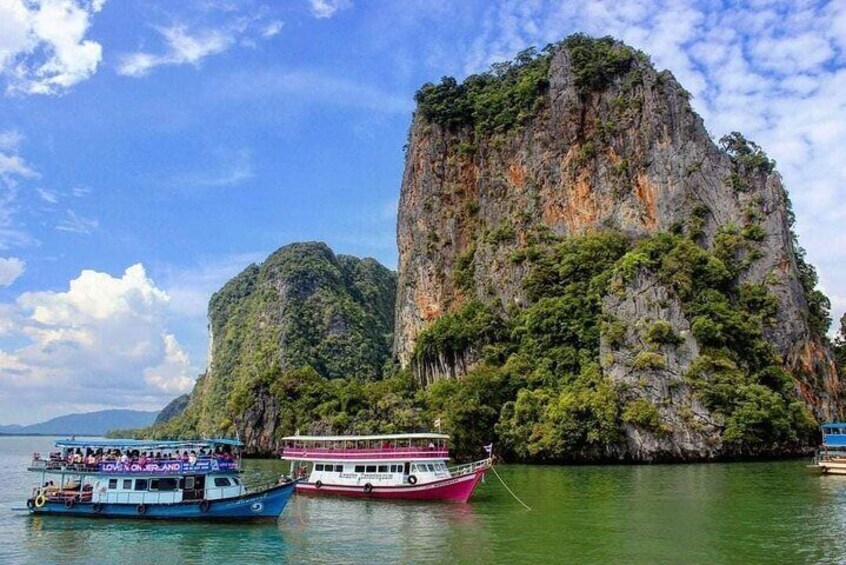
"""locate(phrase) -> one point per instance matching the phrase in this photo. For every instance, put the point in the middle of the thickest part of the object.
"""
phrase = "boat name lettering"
(168, 467)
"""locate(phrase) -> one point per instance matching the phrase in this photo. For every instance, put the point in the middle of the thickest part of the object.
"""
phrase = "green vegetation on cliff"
(544, 380)
(304, 314)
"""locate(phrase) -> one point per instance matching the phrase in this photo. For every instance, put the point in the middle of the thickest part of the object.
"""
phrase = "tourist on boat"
(192, 459)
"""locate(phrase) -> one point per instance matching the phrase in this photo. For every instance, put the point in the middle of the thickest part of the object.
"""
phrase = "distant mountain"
(174, 408)
(90, 423)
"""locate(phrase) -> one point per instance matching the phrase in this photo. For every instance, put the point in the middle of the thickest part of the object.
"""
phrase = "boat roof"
(151, 443)
(366, 438)
(834, 426)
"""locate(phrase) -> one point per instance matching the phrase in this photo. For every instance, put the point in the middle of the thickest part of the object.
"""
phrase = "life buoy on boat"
(141, 508)
(318, 484)
(69, 503)
(204, 506)
(368, 488)
(40, 501)
(97, 507)
(412, 480)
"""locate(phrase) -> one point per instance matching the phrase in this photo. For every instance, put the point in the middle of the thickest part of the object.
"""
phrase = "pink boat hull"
(455, 489)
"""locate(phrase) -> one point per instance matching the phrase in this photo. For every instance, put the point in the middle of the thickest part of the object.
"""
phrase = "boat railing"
(468, 468)
(151, 497)
(86, 468)
(371, 453)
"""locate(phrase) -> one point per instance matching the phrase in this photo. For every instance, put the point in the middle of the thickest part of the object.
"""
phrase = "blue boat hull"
(264, 505)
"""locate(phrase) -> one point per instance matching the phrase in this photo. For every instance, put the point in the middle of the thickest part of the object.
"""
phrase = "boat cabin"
(140, 471)
(376, 460)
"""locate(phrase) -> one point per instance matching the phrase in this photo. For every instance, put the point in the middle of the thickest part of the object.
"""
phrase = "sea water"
(775, 512)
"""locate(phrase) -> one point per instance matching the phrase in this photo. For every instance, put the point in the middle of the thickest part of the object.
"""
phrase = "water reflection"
(339, 529)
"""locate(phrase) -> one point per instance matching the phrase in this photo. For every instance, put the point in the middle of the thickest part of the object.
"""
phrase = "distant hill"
(89, 423)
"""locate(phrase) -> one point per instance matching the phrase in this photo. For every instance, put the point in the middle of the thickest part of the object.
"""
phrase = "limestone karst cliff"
(583, 138)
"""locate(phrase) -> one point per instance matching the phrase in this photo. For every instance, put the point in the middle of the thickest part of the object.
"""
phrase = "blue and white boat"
(148, 479)
(831, 456)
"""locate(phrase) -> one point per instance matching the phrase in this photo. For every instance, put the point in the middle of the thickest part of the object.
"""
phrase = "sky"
(150, 150)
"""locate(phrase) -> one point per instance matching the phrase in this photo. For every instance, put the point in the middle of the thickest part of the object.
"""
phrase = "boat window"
(371, 469)
(430, 467)
(236, 480)
(221, 482)
(339, 468)
(164, 484)
(112, 484)
(127, 484)
(189, 483)
(359, 468)
(318, 467)
(140, 484)
(383, 468)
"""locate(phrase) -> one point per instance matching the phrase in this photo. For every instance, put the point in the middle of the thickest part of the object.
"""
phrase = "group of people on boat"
(91, 458)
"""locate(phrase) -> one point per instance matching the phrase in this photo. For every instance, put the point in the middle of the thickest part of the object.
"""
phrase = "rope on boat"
(511, 492)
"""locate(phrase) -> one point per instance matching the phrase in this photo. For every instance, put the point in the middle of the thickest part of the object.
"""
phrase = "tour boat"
(831, 457)
(193, 479)
(401, 466)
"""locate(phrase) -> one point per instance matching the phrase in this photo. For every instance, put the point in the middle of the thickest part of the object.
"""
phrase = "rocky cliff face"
(598, 140)
(303, 314)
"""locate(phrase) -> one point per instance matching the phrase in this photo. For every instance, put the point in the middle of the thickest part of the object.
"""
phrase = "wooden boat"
(400, 466)
(175, 480)
(831, 456)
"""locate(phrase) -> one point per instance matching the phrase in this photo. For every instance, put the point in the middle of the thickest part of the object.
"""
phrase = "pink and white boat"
(400, 466)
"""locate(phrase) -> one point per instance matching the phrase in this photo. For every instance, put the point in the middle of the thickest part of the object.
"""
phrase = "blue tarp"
(834, 440)
(151, 443)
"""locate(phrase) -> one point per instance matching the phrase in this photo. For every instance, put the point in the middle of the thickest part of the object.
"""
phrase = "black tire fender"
(205, 505)
(97, 507)
(368, 488)
(69, 503)
(141, 509)
(318, 484)
(412, 480)
(30, 503)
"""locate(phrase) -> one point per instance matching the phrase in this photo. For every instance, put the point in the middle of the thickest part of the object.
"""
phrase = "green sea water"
(774, 512)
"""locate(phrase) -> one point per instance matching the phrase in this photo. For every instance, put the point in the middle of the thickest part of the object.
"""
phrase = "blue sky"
(151, 150)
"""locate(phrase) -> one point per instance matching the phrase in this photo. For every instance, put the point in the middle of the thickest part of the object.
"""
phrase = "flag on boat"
(489, 448)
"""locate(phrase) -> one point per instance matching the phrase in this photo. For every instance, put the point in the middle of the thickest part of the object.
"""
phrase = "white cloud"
(48, 196)
(190, 47)
(10, 269)
(224, 168)
(73, 223)
(43, 44)
(182, 48)
(103, 342)
(271, 29)
(328, 8)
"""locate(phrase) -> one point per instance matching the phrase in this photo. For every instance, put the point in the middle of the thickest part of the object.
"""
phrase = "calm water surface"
(724, 513)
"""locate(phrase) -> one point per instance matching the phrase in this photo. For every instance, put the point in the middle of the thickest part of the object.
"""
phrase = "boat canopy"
(835, 427)
(149, 443)
(388, 437)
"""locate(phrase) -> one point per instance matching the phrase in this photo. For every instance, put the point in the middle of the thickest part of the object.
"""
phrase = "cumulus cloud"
(10, 269)
(328, 8)
(102, 342)
(43, 44)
